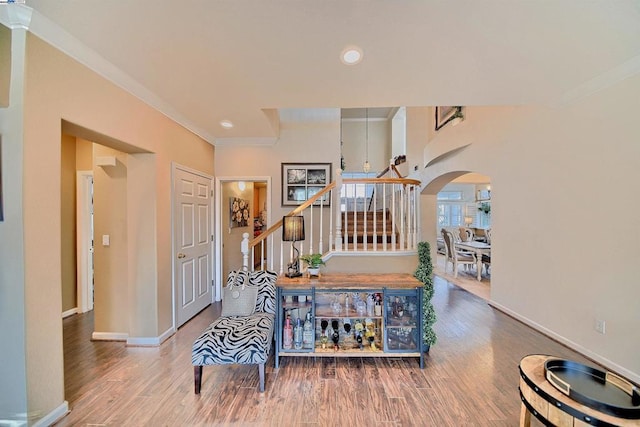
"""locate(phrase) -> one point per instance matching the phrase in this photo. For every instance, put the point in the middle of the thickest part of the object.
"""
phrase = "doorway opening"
(251, 191)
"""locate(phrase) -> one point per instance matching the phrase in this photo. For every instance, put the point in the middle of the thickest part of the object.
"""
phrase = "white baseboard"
(109, 336)
(53, 416)
(150, 341)
(70, 312)
(634, 377)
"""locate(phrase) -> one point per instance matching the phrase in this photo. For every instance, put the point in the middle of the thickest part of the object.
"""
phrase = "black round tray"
(603, 391)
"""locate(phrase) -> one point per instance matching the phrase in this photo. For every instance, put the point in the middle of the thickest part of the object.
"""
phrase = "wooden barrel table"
(552, 407)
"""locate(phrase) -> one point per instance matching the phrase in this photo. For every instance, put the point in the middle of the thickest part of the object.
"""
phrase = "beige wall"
(563, 194)
(354, 144)
(13, 387)
(68, 222)
(111, 263)
(5, 65)
(298, 142)
(59, 88)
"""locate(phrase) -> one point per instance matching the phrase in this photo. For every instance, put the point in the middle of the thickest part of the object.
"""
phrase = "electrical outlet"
(600, 326)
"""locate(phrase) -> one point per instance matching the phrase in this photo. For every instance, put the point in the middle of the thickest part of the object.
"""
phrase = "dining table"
(479, 249)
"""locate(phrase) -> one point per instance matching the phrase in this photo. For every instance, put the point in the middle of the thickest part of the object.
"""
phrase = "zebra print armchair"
(242, 340)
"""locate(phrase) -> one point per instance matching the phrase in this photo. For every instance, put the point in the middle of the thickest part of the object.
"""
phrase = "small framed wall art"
(446, 115)
(301, 181)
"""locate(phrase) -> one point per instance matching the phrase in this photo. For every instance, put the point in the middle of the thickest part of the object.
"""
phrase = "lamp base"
(293, 274)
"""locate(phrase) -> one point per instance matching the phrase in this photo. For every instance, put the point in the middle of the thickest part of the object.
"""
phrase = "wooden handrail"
(296, 211)
(405, 181)
(276, 226)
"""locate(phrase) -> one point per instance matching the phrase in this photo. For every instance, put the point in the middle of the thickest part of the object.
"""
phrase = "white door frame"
(218, 217)
(174, 253)
(84, 240)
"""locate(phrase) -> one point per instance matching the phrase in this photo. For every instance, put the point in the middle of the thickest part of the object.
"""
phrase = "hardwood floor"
(470, 378)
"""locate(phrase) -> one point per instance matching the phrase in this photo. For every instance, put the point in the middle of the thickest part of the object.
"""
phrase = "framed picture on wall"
(446, 114)
(301, 181)
(238, 212)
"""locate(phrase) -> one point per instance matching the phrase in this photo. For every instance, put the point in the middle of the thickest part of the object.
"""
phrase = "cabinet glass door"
(402, 317)
(296, 332)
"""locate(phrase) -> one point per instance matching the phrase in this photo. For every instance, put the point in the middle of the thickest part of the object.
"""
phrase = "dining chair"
(454, 256)
(467, 234)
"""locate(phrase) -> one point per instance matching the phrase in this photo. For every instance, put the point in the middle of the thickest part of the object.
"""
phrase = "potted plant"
(485, 207)
(314, 261)
(424, 273)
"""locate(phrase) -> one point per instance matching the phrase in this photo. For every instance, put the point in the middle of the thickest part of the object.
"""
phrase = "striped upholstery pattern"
(230, 340)
(242, 340)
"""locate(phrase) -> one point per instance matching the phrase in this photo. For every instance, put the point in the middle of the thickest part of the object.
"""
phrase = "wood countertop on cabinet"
(350, 281)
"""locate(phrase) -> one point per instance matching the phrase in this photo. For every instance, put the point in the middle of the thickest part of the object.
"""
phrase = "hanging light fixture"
(366, 167)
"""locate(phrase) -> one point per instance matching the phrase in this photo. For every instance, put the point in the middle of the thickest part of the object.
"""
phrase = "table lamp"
(468, 221)
(293, 231)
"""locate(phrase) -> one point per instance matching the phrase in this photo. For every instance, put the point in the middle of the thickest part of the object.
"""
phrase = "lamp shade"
(292, 228)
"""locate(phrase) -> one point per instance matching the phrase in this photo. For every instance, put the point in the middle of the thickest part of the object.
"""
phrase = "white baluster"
(375, 218)
(393, 217)
(244, 248)
(384, 217)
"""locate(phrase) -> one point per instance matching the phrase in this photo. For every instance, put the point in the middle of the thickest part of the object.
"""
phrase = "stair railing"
(391, 224)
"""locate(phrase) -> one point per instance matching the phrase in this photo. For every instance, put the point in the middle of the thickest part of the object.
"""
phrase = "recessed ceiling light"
(351, 55)
(226, 124)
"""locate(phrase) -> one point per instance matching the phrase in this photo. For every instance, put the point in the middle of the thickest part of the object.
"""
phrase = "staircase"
(369, 227)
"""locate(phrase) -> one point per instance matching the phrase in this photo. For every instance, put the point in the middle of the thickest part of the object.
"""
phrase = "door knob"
(181, 255)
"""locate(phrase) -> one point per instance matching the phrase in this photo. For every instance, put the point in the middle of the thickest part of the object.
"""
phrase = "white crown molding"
(244, 142)
(15, 16)
(47, 30)
(607, 79)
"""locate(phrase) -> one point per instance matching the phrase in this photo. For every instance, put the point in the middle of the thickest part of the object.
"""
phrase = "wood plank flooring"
(470, 378)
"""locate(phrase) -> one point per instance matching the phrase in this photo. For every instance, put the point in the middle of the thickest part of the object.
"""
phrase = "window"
(450, 214)
(450, 195)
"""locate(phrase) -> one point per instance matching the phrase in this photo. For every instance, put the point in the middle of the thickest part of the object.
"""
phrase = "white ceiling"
(201, 61)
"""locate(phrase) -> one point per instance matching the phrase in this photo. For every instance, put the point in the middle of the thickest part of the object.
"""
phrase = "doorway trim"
(174, 290)
(218, 218)
(84, 240)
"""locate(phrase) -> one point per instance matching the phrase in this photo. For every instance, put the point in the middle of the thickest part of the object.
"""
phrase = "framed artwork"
(445, 115)
(483, 195)
(238, 212)
(301, 181)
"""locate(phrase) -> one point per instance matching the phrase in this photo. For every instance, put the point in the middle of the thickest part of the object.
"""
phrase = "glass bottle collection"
(353, 321)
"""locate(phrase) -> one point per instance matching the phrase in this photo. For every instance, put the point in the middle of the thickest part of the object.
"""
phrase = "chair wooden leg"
(261, 373)
(197, 378)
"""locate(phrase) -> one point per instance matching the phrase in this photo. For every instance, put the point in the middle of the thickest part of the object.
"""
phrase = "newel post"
(338, 212)
(244, 248)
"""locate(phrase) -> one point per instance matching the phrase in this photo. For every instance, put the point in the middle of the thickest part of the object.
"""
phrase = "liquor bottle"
(370, 304)
(397, 308)
(297, 335)
(307, 332)
(287, 336)
(377, 309)
(335, 337)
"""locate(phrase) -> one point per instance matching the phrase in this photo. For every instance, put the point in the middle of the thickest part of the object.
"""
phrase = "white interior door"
(192, 243)
(84, 233)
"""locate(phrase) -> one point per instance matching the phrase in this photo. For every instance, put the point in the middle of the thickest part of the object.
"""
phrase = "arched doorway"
(460, 202)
